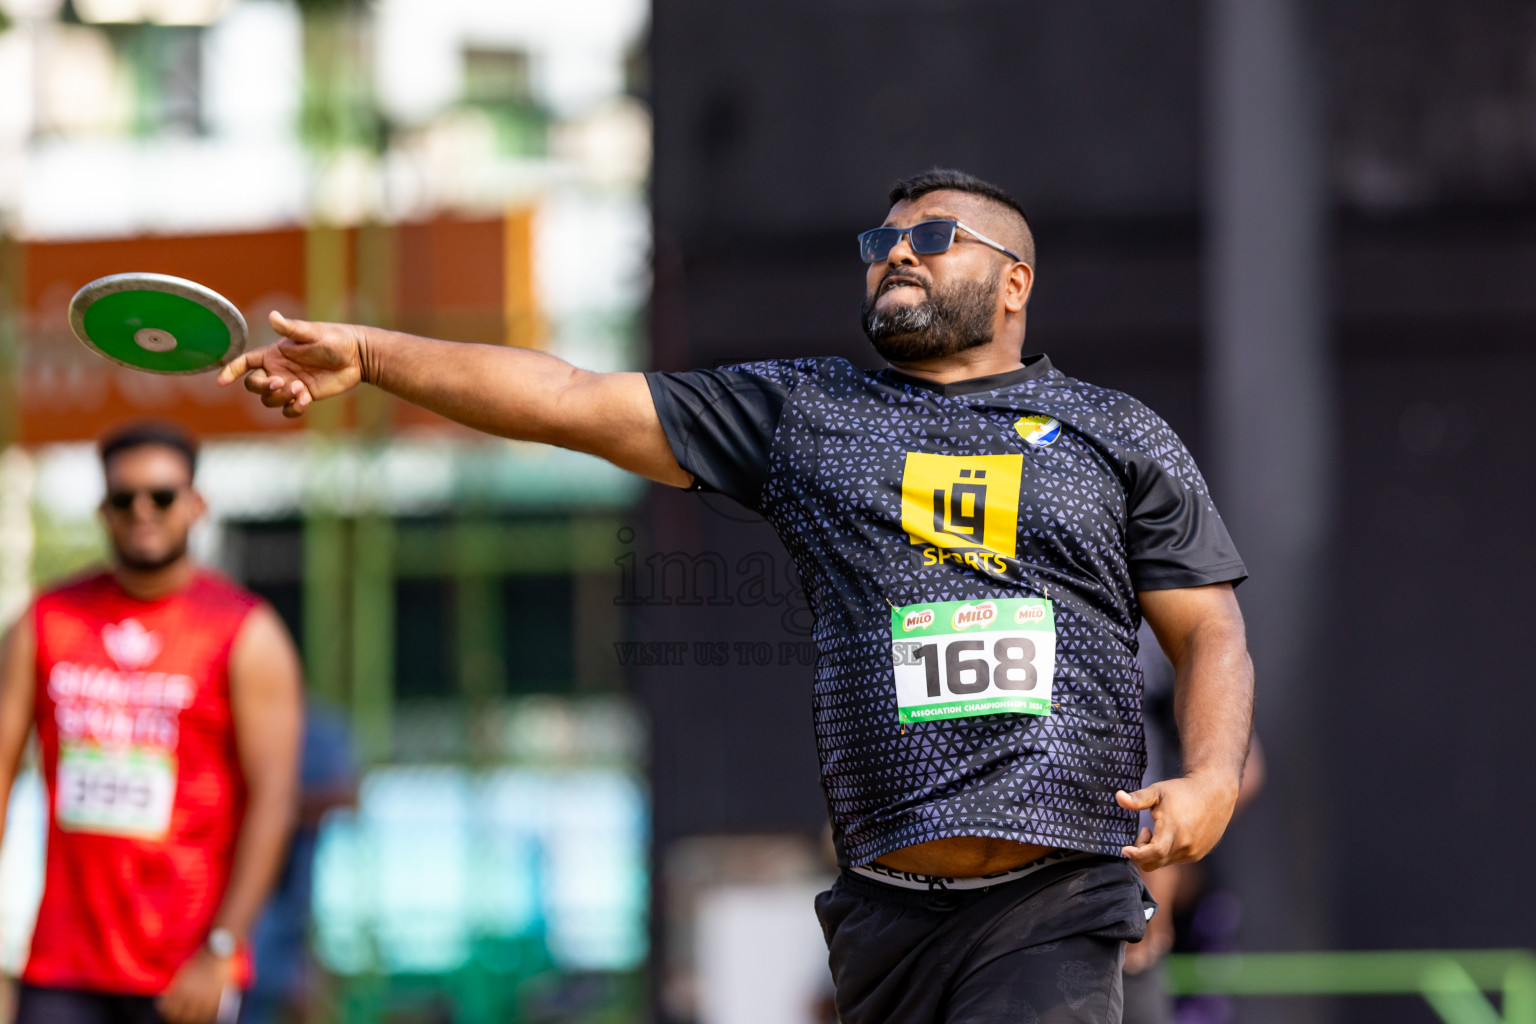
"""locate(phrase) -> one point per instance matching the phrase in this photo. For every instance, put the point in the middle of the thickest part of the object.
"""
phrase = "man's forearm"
(1213, 701)
(527, 396)
(16, 706)
(259, 851)
(511, 392)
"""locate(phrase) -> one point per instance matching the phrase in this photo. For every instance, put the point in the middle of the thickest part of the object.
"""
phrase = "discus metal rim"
(144, 281)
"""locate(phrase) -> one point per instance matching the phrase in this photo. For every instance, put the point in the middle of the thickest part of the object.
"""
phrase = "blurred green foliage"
(339, 108)
(328, 6)
(65, 547)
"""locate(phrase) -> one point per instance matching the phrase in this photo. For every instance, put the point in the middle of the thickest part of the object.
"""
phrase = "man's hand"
(312, 361)
(194, 994)
(1188, 817)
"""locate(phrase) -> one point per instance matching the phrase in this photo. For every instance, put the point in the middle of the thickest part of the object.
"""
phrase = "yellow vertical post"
(373, 535)
(378, 268)
(520, 303)
(325, 531)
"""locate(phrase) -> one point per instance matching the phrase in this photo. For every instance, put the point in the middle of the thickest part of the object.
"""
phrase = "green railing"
(1453, 982)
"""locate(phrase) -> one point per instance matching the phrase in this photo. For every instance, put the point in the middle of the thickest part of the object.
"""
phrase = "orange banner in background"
(461, 279)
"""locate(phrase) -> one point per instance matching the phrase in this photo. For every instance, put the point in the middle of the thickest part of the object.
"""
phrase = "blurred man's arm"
(16, 698)
(511, 392)
(266, 701)
(1201, 631)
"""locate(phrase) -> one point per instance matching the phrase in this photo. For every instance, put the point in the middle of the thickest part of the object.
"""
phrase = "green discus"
(158, 323)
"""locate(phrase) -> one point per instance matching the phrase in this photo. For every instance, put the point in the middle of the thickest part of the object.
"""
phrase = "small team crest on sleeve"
(1039, 431)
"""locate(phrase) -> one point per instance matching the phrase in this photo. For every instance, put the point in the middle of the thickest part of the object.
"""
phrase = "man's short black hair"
(947, 178)
(150, 432)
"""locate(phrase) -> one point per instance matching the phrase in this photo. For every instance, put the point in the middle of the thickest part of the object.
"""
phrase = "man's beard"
(137, 563)
(942, 324)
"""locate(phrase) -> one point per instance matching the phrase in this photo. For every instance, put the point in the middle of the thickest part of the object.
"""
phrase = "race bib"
(127, 792)
(959, 659)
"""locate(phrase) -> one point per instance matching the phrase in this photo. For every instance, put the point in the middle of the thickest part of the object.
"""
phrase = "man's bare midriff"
(963, 856)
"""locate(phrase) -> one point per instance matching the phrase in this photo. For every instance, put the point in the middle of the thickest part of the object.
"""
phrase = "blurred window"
(500, 84)
(540, 633)
(512, 869)
(423, 639)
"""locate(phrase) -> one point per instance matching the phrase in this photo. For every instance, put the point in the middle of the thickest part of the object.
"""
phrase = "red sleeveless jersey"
(145, 789)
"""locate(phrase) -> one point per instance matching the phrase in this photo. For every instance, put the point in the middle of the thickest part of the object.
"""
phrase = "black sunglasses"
(927, 239)
(163, 497)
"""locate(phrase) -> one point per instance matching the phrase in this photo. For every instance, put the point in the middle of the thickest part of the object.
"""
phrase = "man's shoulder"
(212, 589)
(788, 373)
(1127, 428)
(1095, 408)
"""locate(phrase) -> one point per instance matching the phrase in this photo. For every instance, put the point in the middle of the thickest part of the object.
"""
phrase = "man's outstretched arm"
(510, 392)
(1201, 631)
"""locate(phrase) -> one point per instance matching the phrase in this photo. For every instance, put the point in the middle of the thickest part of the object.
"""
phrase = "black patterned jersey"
(972, 553)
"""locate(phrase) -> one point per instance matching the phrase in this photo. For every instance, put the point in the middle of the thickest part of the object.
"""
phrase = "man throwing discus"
(168, 708)
(979, 537)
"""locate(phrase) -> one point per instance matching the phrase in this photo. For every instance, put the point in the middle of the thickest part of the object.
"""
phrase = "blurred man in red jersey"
(168, 708)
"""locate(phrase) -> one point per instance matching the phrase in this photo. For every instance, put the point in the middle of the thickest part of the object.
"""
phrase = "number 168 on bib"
(961, 659)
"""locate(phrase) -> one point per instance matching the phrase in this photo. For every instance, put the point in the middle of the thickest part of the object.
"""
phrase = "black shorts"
(38, 1005)
(1044, 948)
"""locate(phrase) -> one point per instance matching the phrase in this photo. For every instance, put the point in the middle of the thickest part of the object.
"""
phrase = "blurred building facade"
(467, 170)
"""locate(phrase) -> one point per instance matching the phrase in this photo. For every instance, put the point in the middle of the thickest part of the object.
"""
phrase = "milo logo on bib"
(918, 620)
(961, 659)
(1029, 614)
(968, 615)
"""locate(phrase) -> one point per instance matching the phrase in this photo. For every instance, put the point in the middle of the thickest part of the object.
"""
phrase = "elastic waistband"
(929, 883)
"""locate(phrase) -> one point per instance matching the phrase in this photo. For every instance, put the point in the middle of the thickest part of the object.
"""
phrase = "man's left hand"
(1189, 815)
(194, 994)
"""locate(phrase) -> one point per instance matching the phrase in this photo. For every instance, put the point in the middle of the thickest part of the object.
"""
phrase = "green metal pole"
(373, 636)
(598, 621)
(1450, 990)
(479, 644)
(326, 592)
(373, 537)
(1451, 981)
(1520, 993)
(325, 605)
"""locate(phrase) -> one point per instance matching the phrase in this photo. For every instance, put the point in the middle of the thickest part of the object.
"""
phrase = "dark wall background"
(777, 131)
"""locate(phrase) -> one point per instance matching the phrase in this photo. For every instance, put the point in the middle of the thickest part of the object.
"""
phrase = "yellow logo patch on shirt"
(962, 502)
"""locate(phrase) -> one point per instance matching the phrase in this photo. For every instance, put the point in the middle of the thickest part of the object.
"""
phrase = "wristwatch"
(222, 943)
